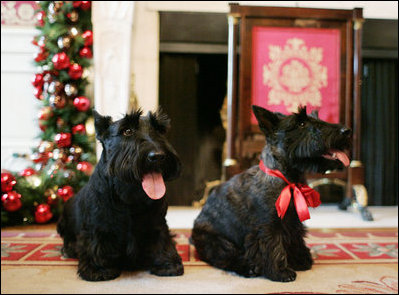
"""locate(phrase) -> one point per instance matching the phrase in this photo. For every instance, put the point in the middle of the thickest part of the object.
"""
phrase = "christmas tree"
(64, 159)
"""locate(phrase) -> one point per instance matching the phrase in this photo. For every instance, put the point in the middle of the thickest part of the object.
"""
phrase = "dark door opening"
(192, 89)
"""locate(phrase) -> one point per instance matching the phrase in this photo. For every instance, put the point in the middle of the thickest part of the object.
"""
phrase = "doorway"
(192, 89)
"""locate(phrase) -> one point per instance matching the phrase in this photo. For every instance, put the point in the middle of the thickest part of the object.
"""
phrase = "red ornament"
(60, 61)
(80, 129)
(34, 41)
(65, 192)
(85, 167)
(42, 125)
(39, 157)
(11, 201)
(88, 37)
(77, 4)
(40, 18)
(81, 103)
(45, 113)
(37, 80)
(41, 55)
(28, 172)
(63, 139)
(75, 71)
(86, 52)
(38, 93)
(51, 200)
(43, 213)
(7, 181)
(85, 5)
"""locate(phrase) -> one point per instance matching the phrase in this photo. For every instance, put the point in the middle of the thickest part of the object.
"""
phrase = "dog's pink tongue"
(343, 158)
(153, 185)
(338, 155)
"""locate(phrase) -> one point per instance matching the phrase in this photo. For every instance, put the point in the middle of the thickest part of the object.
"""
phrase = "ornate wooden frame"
(242, 136)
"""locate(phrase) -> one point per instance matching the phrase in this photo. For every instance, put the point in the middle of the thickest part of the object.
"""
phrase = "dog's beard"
(138, 170)
(123, 166)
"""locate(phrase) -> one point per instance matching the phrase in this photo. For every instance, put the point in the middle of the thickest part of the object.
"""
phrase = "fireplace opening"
(192, 90)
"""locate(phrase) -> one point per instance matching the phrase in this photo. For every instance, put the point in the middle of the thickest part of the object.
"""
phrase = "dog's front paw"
(168, 270)
(305, 264)
(98, 274)
(302, 261)
(286, 275)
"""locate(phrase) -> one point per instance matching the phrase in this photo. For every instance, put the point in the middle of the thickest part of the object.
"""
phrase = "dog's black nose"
(156, 156)
(346, 131)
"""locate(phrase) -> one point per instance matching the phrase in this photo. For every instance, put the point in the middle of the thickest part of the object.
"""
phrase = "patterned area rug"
(346, 261)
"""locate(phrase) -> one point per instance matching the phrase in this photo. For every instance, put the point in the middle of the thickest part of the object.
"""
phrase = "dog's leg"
(219, 251)
(98, 259)
(65, 230)
(165, 261)
(265, 251)
(299, 256)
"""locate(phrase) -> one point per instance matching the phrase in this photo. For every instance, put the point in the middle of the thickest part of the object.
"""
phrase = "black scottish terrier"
(117, 220)
(251, 224)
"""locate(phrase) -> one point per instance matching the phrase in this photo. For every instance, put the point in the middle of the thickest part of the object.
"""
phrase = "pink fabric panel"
(296, 66)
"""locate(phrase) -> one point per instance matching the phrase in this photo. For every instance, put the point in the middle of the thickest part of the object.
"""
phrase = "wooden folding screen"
(282, 57)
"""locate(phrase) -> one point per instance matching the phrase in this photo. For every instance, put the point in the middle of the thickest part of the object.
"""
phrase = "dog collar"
(304, 196)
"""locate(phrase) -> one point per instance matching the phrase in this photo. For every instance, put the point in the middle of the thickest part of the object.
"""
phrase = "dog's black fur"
(111, 224)
(238, 228)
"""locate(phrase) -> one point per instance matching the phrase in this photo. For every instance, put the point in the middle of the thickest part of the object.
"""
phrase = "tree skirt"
(346, 261)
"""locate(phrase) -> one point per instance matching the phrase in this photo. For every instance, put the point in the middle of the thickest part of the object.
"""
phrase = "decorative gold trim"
(208, 187)
(360, 195)
(234, 16)
(356, 163)
(323, 181)
(230, 162)
(358, 24)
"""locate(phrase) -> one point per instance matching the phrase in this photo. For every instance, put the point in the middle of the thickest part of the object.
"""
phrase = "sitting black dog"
(117, 220)
(252, 224)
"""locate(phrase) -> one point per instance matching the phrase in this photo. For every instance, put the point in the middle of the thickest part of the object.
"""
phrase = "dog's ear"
(301, 115)
(267, 120)
(314, 114)
(159, 120)
(132, 119)
(101, 124)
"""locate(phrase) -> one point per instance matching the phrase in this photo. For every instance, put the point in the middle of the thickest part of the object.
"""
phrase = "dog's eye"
(128, 132)
(302, 124)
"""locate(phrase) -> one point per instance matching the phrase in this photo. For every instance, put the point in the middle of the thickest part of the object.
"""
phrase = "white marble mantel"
(112, 33)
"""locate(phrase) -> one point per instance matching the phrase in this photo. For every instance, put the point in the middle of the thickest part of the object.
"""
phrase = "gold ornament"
(60, 154)
(70, 89)
(90, 129)
(57, 101)
(45, 147)
(58, 5)
(55, 87)
(64, 42)
(74, 31)
(73, 16)
(34, 180)
(75, 153)
(48, 192)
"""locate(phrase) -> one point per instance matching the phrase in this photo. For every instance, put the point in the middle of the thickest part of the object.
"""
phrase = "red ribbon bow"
(304, 196)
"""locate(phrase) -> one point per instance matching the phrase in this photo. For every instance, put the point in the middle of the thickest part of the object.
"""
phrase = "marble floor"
(325, 216)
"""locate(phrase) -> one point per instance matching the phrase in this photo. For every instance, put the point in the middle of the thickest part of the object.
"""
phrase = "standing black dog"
(249, 224)
(117, 220)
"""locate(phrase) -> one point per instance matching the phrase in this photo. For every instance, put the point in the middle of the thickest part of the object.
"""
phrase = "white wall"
(371, 9)
(19, 107)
